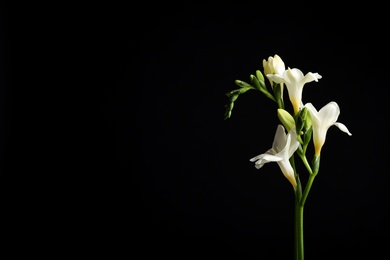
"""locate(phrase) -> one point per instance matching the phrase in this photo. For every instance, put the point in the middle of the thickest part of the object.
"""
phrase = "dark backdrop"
(116, 143)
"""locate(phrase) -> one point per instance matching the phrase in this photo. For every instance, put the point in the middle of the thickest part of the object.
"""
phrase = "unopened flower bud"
(259, 75)
(286, 118)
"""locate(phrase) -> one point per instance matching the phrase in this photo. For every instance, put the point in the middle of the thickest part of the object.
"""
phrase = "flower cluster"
(305, 123)
(297, 129)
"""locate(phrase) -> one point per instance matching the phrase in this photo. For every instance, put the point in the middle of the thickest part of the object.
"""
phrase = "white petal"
(293, 75)
(260, 156)
(278, 64)
(309, 77)
(343, 128)
(272, 158)
(329, 114)
(288, 171)
(283, 152)
(312, 109)
(256, 158)
(263, 159)
(279, 139)
(260, 163)
(276, 78)
(293, 147)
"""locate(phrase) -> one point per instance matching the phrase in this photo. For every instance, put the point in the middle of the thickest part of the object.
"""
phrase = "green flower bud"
(308, 123)
(303, 120)
(278, 90)
(237, 92)
(260, 86)
(286, 118)
(260, 76)
(234, 97)
(242, 84)
(307, 136)
(255, 82)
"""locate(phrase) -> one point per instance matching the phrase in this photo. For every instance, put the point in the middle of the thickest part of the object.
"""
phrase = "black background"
(114, 141)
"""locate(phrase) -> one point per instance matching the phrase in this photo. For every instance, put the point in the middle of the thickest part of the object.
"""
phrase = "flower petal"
(294, 143)
(278, 64)
(329, 113)
(343, 128)
(280, 139)
(293, 76)
(288, 171)
(276, 78)
(265, 158)
(312, 109)
(309, 77)
(272, 158)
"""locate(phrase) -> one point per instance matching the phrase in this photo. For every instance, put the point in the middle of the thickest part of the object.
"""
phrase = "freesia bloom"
(322, 120)
(283, 147)
(294, 80)
(274, 65)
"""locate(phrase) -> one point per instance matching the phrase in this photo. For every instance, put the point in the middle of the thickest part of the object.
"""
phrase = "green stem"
(307, 189)
(299, 209)
(306, 163)
(300, 199)
(298, 242)
(299, 245)
(297, 229)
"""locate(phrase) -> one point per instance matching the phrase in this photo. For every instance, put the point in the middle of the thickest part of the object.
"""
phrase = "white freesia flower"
(294, 80)
(322, 120)
(274, 65)
(283, 147)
